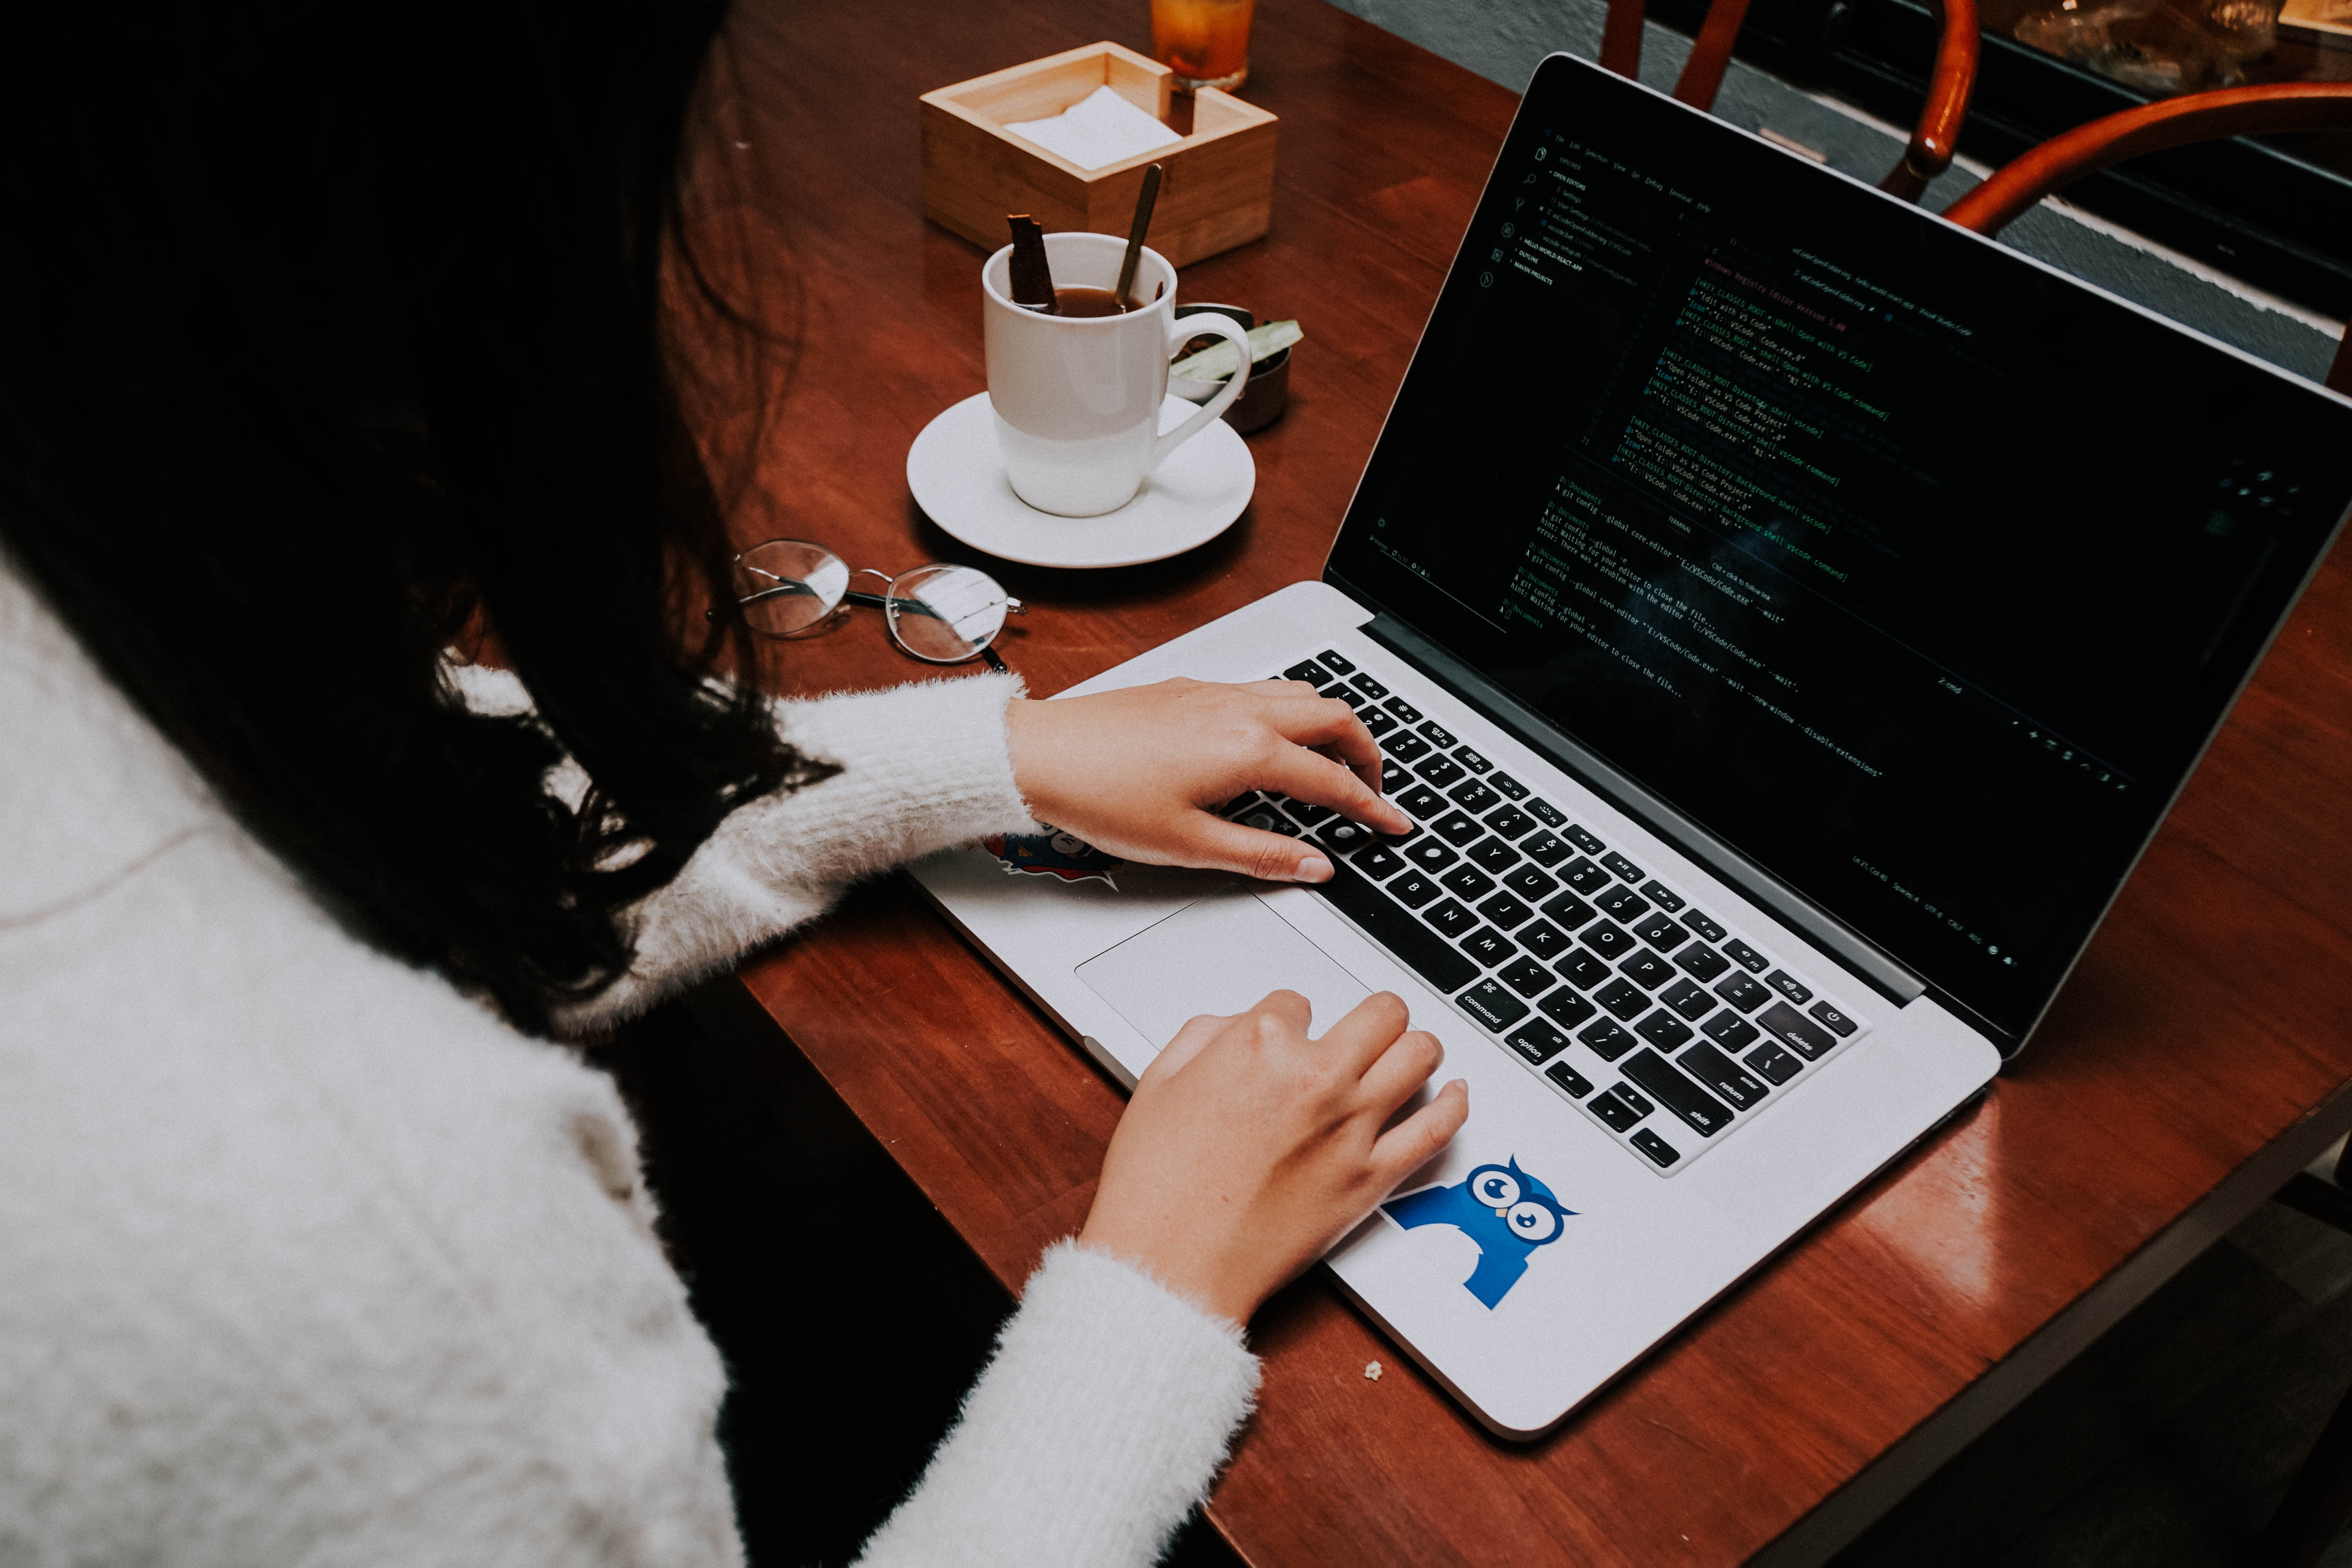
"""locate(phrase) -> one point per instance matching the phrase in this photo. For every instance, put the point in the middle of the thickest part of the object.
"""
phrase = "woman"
(315, 348)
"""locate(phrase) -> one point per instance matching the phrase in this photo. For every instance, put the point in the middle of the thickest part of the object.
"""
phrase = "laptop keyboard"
(1657, 1021)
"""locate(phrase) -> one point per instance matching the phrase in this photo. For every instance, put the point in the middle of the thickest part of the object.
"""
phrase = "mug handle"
(1180, 333)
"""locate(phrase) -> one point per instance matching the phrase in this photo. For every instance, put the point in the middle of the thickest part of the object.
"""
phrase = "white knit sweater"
(305, 1258)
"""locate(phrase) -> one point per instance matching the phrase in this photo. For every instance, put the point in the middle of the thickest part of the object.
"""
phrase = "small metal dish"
(1268, 392)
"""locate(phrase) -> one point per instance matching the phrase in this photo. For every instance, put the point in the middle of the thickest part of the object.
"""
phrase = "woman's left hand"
(1139, 772)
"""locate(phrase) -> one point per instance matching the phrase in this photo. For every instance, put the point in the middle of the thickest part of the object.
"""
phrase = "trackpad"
(1220, 955)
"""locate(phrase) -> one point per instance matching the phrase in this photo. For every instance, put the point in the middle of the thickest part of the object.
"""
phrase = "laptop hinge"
(1866, 962)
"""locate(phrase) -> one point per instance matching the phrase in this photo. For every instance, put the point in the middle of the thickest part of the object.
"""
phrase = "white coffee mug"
(1078, 397)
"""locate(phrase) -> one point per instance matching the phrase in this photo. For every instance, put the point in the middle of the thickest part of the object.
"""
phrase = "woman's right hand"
(1249, 1149)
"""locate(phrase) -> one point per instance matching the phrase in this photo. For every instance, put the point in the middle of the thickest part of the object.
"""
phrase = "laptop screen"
(1916, 574)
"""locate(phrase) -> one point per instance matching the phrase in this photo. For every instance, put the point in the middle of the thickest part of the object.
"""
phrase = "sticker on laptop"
(1049, 852)
(1506, 1211)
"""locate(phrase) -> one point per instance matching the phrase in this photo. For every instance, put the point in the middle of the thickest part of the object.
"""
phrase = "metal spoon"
(1135, 238)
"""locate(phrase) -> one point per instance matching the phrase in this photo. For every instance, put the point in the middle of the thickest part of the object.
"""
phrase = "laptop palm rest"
(1220, 955)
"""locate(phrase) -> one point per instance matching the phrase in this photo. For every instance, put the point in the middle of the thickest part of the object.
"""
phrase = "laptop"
(1787, 618)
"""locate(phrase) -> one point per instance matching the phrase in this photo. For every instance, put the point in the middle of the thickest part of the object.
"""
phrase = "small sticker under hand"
(1049, 853)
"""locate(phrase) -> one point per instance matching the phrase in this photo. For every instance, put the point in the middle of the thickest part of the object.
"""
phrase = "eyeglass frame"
(885, 601)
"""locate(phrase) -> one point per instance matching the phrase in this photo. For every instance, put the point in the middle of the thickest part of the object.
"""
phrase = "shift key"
(1704, 1114)
(1422, 950)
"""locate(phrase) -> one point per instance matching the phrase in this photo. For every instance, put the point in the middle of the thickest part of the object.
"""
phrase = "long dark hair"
(326, 329)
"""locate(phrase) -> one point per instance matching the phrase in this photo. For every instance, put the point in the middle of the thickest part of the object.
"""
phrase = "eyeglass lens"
(788, 586)
(946, 614)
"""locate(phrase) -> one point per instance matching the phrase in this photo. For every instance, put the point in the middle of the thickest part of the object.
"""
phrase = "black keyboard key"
(1647, 970)
(1441, 735)
(1665, 897)
(1304, 814)
(1569, 910)
(1494, 855)
(1661, 932)
(1788, 985)
(1492, 1006)
(1342, 836)
(1661, 1152)
(1510, 822)
(1368, 687)
(1457, 828)
(1489, 946)
(1545, 940)
(1545, 849)
(1265, 819)
(1472, 760)
(1380, 862)
(1609, 940)
(1341, 694)
(1622, 867)
(1606, 1038)
(1505, 910)
(1623, 904)
(1403, 710)
(1747, 957)
(1466, 881)
(1580, 968)
(1376, 721)
(1796, 1031)
(1420, 801)
(1730, 1031)
(1538, 1042)
(1405, 746)
(1440, 771)
(1700, 1112)
(1743, 992)
(1585, 876)
(1332, 661)
(1624, 1000)
(1449, 918)
(1664, 1030)
(1822, 1013)
(1527, 977)
(1689, 999)
(1702, 963)
(1550, 816)
(1512, 788)
(1307, 670)
(1705, 926)
(1431, 855)
(1529, 883)
(1721, 1074)
(1614, 1112)
(1420, 949)
(1393, 777)
(1583, 839)
(1565, 1007)
(1576, 1085)
(1474, 797)
(1772, 1062)
(1412, 890)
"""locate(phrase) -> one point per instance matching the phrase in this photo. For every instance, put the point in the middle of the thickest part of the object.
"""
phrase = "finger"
(1280, 687)
(1369, 1029)
(1421, 1137)
(1288, 1006)
(1326, 721)
(1222, 846)
(1310, 777)
(1189, 1043)
(1400, 1069)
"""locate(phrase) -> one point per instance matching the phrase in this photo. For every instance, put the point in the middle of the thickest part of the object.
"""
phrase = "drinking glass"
(1205, 42)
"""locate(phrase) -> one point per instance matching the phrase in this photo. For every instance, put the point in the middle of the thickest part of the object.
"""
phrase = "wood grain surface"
(2200, 1052)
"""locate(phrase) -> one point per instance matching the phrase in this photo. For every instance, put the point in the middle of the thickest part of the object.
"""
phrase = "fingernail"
(1314, 869)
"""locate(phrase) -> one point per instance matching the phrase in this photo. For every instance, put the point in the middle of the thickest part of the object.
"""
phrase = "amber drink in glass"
(1205, 42)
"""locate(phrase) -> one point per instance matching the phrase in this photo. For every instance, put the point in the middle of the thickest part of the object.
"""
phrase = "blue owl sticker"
(1506, 1211)
(1050, 852)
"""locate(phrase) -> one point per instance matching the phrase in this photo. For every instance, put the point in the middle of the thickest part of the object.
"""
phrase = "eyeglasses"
(941, 614)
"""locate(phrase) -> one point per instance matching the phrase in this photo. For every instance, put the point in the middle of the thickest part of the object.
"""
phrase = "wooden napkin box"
(1217, 191)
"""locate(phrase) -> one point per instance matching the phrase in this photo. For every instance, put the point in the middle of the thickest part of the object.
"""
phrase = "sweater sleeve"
(1094, 1430)
(922, 766)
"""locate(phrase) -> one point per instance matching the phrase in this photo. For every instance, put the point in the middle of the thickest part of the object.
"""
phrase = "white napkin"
(1098, 130)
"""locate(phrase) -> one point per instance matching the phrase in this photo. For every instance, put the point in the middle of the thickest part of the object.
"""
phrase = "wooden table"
(2200, 1054)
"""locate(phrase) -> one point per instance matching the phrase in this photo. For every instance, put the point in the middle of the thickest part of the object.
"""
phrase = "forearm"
(1097, 1429)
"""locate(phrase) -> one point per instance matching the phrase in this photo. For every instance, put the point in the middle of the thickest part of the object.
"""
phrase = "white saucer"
(958, 481)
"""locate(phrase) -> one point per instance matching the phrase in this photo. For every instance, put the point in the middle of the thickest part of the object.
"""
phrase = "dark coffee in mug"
(1086, 302)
